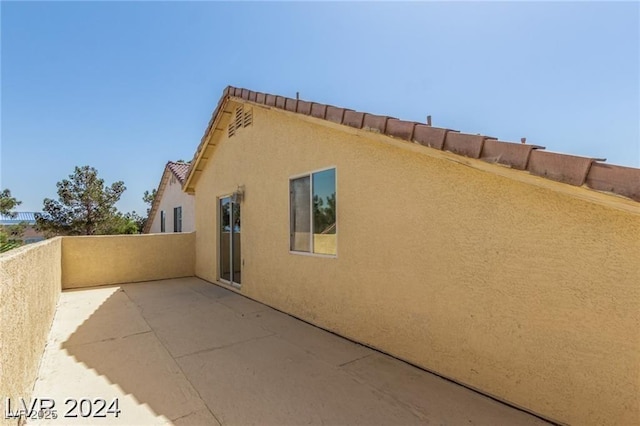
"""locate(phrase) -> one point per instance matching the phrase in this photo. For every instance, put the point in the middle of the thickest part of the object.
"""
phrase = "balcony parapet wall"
(30, 283)
(32, 277)
(116, 259)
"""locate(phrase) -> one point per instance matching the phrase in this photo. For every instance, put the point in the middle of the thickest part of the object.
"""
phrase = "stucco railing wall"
(115, 259)
(29, 289)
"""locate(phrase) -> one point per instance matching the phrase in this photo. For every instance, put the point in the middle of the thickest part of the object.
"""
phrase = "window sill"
(304, 253)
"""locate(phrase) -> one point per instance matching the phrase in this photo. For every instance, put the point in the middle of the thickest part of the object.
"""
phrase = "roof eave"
(156, 199)
(189, 186)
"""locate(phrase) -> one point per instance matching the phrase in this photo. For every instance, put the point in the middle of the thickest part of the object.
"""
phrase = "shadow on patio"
(183, 351)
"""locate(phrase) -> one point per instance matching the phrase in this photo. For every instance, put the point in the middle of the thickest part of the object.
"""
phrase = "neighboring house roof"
(29, 217)
(569, 169)
(180, 170)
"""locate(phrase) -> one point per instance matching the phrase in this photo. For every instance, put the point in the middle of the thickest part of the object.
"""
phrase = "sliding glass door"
(229, 249)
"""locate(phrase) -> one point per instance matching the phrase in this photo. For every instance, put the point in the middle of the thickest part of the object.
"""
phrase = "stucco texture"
(29, 291)
(521, 287)
(115, 259)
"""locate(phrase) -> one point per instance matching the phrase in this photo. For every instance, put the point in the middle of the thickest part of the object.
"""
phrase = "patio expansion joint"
(195, 411)
(109, 339)
(195, 389)
(215, 348)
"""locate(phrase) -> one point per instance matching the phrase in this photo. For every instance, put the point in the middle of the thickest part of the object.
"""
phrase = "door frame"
(219, 237)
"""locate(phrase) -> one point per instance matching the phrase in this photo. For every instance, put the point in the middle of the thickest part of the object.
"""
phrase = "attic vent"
(243, 118)
(248, 117)
(238, 120)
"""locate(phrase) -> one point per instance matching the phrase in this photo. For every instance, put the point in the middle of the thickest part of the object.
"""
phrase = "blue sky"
(127, 86)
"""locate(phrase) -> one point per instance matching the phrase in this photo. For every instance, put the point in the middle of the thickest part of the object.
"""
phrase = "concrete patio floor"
(188, 352)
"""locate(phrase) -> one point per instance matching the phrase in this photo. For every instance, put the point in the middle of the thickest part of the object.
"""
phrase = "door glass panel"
(225, 239)
(236, 244)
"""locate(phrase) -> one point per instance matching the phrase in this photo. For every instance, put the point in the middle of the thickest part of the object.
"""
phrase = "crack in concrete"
(354, 360)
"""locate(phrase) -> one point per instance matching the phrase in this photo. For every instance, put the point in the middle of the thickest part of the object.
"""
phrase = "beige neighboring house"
(498, 265)
(173, 210)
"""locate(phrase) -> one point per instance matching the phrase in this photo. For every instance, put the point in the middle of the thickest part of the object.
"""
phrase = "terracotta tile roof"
(569, 169)
(180, 169)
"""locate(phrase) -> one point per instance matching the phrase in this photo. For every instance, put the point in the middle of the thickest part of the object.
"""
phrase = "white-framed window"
(313, 208)
(177, 219)
(162, 221)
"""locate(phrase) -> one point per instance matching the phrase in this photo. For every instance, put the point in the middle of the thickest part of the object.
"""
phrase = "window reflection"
(324, 212)
(313, 213)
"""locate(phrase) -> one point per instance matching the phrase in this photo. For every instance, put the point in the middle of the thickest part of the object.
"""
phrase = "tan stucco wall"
(524, 288)
(29, 290)
(113, 259)
(173, 196)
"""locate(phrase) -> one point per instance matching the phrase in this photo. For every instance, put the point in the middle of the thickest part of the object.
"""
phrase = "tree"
(136, 219)
(85, 206)
(122, 224)
(148, 198)
(10, 235)
(324, 217)
(8, 203)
